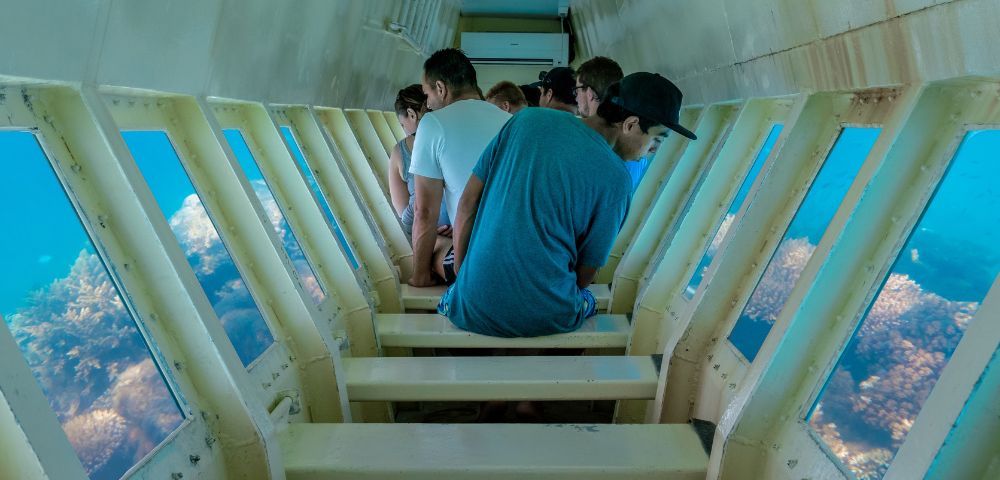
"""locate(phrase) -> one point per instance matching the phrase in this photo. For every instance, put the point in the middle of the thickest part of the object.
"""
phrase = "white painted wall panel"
(333, 52)
(35, 33)
(728, 49)
(158, 45)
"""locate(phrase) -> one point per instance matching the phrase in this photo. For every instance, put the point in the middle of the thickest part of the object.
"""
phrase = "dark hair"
(411, 97)
(613, 113)
(452, 67)
(599, 73)
(531, 94)
(561, 95)
(507, 92)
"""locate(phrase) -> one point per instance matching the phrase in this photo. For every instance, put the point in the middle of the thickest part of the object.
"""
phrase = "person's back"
(518, 276)
(450, 141)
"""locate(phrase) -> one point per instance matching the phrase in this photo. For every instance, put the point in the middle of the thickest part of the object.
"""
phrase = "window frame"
(68, 133)
(928, 126)
(300, 329)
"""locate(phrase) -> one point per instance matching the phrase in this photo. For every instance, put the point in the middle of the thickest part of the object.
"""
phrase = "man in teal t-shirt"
(543, 206)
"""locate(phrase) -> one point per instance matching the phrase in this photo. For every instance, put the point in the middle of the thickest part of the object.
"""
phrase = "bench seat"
(500, 378)
(426, 298)
(497, 452)
(428, 330)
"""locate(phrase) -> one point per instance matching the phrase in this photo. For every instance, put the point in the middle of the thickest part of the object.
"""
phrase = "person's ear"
(506, 106)
(411, 114)
(631, 125)
(441, 88)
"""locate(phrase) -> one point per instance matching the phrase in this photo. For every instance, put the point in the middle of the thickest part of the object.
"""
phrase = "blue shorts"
(587, 303)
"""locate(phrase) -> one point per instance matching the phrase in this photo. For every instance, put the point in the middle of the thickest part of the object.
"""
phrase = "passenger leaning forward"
(411, 105)
(556, 89)
(449, 141)
(543, 207)
(508, 97)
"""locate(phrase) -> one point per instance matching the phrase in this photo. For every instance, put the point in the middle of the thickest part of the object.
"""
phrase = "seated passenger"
(449, 141)
(531, 94)
(556, 90)
(543, 207)
(592, 78)
(411, 105)
(508, 97)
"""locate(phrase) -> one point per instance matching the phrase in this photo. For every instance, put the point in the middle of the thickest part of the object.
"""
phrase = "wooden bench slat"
(501, 451)
(500, 378)
(419, 330)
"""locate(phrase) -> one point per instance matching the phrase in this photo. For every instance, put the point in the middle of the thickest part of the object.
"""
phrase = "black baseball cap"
(652, 96)
(560, 79)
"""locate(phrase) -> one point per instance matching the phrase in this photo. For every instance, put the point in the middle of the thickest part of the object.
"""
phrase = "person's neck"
(468, 95)
(564, 107)
(603, 128)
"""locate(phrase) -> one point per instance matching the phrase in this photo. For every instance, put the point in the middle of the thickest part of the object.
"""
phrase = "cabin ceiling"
(514, 8)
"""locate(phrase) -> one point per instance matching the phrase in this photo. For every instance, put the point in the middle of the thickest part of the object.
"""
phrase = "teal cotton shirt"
(555, 197)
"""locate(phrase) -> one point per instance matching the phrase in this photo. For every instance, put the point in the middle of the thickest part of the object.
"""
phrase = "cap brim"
(681, 130)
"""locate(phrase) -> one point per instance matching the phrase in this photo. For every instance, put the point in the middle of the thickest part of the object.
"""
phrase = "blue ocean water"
(304, 166)
(212, 264)
(288, 239)
(920, 313)
(800, 239)
(734, 207)
(72, 325)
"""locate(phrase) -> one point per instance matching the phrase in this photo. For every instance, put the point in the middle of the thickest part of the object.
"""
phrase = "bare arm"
(585, 276)
(397, 187)
(426, 210)
(467, 208)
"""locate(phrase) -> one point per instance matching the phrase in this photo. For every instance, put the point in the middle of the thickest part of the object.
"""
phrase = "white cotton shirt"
(450, 141)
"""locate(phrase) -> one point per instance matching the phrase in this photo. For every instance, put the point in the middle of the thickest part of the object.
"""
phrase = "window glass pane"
(290, 138)
(71, 324)
(918, 317)
(726, 221)
(800, 240)
(212, 264)
(266, 197)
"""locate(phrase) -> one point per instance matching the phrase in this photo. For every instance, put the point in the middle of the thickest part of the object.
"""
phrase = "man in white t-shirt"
(450, 140)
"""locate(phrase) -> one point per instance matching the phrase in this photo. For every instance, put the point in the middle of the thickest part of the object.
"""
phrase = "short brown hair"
(507, 92)
(599, 73)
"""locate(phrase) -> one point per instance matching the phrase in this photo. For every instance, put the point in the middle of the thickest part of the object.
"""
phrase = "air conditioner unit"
(517, 48)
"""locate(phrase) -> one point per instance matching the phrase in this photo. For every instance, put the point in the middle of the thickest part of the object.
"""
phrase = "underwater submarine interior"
(204, 276)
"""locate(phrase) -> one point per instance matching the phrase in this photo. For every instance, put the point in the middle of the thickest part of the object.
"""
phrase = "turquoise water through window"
(304, 166)
(801, 237)
(71, 324)
(213, 266)
(274, 214)
(921, 311)
(734, 207)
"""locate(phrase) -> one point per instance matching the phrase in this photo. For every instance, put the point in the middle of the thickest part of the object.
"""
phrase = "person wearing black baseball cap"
(556, 87)
(542, 209)
(649, 97)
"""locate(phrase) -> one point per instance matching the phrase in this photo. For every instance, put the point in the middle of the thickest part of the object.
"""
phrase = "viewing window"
(301, 159)
(727, 220)
(199, 238)
(71, 324)
(274, 214)
(799, 241)
(920, 313)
